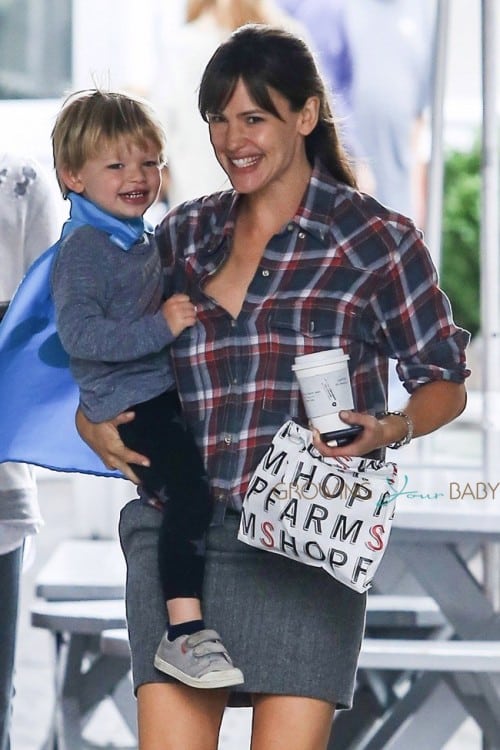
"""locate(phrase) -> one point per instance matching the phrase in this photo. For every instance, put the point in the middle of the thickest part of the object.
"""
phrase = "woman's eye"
(213, 119)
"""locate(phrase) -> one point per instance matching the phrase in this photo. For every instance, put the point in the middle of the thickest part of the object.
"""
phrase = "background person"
(390, 105)
(292, 260)
(28, 225)
(391, 99)
(326, 24)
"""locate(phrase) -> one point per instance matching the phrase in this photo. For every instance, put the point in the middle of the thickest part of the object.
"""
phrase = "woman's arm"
(431, 406)
(105, 440)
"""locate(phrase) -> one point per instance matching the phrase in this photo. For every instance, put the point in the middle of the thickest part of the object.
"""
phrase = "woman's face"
(255, 148)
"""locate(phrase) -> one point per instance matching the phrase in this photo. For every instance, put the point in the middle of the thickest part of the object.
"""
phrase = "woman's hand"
(105, 440)
(376, 434)
(430, 406)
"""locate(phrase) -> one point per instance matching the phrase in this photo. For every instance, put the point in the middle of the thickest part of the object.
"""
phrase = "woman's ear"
(309, 115)
(71, 180)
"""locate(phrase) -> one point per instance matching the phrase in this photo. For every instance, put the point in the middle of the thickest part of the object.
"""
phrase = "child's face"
(123, 179)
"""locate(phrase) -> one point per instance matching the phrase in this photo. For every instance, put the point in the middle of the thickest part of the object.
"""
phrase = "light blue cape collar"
(122, 232)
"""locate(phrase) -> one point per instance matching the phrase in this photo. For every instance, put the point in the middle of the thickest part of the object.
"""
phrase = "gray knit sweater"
(107, 311)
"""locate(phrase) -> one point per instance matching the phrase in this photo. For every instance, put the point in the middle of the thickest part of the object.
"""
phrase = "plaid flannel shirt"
(344, 272)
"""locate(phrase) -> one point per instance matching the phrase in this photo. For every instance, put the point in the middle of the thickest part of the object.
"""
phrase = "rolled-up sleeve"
(416, 319)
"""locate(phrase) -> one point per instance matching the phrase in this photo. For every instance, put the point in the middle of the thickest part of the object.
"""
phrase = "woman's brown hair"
(266, 58)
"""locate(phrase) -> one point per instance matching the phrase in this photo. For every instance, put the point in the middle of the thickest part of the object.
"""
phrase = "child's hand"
(179, 312)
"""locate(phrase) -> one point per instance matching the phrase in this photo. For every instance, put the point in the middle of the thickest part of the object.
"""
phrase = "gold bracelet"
(409, 427)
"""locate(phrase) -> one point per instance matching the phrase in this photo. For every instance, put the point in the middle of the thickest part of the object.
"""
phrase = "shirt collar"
(223, 218)
(316, 212)
(314, 215)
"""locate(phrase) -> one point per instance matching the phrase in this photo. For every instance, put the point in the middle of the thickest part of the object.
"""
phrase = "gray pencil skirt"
(292, 629)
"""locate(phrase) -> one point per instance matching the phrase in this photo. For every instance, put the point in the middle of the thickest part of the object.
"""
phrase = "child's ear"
(72, 180)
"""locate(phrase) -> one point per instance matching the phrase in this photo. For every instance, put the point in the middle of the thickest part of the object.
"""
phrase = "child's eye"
(152, 163)
(117, 165)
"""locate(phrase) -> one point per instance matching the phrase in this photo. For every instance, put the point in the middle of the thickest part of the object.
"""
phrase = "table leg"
(479, 694)
(446, 577)
(79, 691)
(408, 719)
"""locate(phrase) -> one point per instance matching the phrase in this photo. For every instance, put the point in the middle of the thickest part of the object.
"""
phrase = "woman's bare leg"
(287, 722)
(172, 716)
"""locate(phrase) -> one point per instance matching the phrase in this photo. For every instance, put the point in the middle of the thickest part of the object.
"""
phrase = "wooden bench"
(81, 618)
(430, 655)
(398, 611)
(382, 653)
(83, 675)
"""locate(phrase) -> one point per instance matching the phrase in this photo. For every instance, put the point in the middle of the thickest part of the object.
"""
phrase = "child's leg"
(177, 476)
(181, 558)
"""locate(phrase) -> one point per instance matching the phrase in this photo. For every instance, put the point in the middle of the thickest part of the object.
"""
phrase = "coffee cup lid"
(325, 357)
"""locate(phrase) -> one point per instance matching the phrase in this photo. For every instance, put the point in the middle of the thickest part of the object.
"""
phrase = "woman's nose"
(234, 136)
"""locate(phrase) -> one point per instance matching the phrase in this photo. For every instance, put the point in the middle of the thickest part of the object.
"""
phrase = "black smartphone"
(338, 438)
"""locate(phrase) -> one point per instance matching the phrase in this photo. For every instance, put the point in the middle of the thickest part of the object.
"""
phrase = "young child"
(113, 322)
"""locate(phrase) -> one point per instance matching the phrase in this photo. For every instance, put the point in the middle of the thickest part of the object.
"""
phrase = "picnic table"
(448, 682)
(82, 569)
(433, 540)
(80, 594)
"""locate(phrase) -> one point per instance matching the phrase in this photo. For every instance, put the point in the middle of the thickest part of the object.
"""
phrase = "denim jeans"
(10, 574)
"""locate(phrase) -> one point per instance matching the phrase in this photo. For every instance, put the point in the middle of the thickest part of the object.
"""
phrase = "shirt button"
(233, 324)
(265, 272)
(227, 440)
(290, 227)
(302, 235)
(235, 381)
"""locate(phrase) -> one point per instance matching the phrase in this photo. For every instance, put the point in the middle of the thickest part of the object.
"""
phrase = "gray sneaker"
(198, 660)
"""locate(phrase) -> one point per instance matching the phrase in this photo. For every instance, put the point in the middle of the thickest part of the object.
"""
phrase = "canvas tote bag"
(335, 514)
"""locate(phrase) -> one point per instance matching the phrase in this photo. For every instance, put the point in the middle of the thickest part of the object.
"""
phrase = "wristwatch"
(409, 427)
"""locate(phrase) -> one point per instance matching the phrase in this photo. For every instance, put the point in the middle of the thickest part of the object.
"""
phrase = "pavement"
(77, 506)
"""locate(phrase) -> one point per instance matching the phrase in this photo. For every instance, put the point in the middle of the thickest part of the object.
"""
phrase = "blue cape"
(38, 396)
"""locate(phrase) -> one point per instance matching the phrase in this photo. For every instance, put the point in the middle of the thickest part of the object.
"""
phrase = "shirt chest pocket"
(313, 325)
(304, 327)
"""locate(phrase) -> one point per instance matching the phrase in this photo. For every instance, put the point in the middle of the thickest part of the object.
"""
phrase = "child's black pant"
(176, 476)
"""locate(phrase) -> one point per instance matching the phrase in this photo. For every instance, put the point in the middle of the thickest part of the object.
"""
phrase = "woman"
(292, 261)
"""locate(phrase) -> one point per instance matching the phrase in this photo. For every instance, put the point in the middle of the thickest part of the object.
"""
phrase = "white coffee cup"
(325, 386)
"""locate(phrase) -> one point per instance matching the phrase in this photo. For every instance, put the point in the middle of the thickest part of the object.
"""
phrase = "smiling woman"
(292, 260)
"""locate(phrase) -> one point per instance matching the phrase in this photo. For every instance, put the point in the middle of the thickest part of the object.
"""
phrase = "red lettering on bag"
(267, 528)
(376, 532)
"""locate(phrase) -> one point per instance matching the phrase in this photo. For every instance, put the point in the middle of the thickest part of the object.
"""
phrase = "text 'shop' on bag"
(330, 513)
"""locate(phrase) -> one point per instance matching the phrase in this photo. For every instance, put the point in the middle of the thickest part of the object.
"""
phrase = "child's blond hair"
(90, 118)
